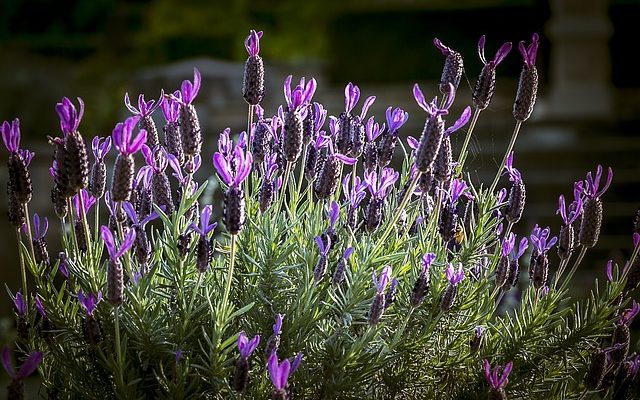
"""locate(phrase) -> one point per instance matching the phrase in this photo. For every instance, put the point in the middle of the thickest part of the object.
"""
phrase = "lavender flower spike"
(28, 367)
(69, 116)
(592, 212)
(246, 346)
(528, 83)
(453, 67)
(486, 83)
(498, 378)
(89, 302)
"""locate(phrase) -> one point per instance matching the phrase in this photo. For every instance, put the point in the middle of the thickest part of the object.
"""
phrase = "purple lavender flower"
(443, 164)
(350, 136)
(144, 111)
(116, 252)
(253, 78)
(83, 201)
(115, 280)
(458, 188)
(11, 135)
(29, 366)
(528, 83)
(449, 295)
(205, 227)
(354, 196)
(497, 379)
(508, 268)
(592, 212)
(20, 304)
(371, 156)
(295, 363)
(122, 137)
(395, 119)
(160, 187)
(341, 269)
(328, 176)
(476, 339)
(188, 120)
(323, 261)
(98, 178)
(204, 249)
(142, 247)
(69, 117)
(269, 185)
(566, 241)
(378, 189)
(540, 239)
(514, 174)
(274, 340)
(293, 116)
(379, 301)
(89, 302)
(38, 240)
(246, 346)
(486, 83)
(330, 236)
(421, 287)
(40, 307)
(241, 372)
(279, 374)
(234, 211)
(517, 194)
(629, 314)
(539, 264)
(123, 173)
(19, 188)
(453, 67)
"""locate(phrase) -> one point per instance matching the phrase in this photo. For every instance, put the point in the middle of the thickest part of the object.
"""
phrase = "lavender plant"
(396, 296)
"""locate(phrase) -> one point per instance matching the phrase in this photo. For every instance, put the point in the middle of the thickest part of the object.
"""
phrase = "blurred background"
(587, 113)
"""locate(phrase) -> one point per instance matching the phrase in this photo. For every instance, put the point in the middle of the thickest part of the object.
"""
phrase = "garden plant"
(348, 262)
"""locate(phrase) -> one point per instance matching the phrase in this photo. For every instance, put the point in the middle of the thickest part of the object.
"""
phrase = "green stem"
(193, 297)
(118, 347)
(72, 226)
(29, 236)
(573, 268)
(85, 226)
(467, 139)
(249, 123)
(23, 270)
(285, 185)
(301, 175)
(512, 143)
(227, 288)
(97, 222)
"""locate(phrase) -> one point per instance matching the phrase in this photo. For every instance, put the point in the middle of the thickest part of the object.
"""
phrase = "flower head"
(156, 159)
(28, 367)
(100, 147)
(69, 116)
(427, 260)
(277, 327)
(278, 372)
(592, 185)
(356, 193)
(189, 90)
(432, 107)
(373, 129)
(171, 106)
(324, 250)
(246, 346)
(11, 135)
(500, 54)
(629, 314)
(122, 134)
(145, 108)
(529, 52)
(301, 94)
(243, 161)
(89, 302)
(498, 378)
(514, 174)
(540, 239)
(385, 277)
(205, 216)
(252, 42)
(127, 242)
(333, 212)
(396, 117)
(40, 226)
(20, 304)
(454, 277)
(378, 187)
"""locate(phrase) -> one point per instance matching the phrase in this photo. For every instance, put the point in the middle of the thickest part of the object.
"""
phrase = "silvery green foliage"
(178, 325)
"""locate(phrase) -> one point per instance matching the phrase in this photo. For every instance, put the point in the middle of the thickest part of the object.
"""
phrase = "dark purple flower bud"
(98, 178)
(144, 111)
(263, 138)
(377, 306)
(172, 131)
(160, 187)
(19, 185)
(341, 269)
(449, 295)
(596, 371)
(592, 212)
(189, 122)
(486, 83)
(421, 287)
(268, 187)
(620, 342)
(476, 339)
(453, 67)
(321, 265)
(39, 243)
(253, 79)
(274, 340)
(387, 145)
(528, 83)
(390, 296)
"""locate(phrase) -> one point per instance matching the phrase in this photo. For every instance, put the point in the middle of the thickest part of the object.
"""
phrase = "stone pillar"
(579, 31)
